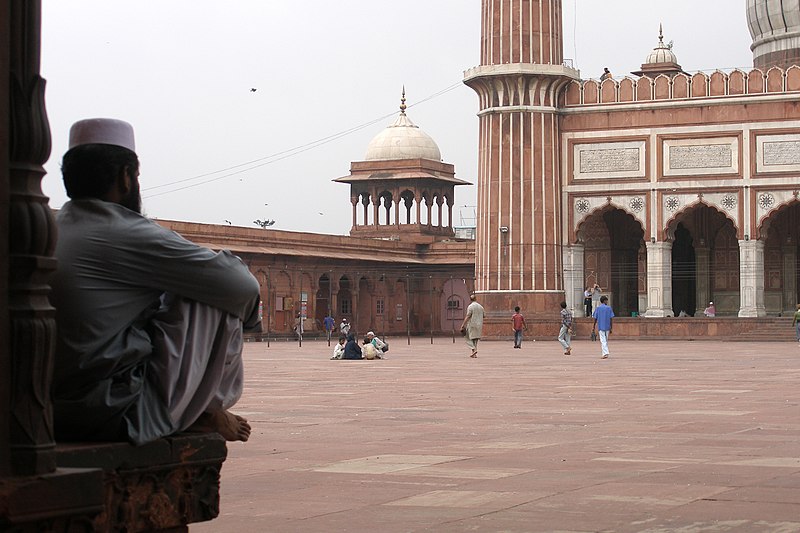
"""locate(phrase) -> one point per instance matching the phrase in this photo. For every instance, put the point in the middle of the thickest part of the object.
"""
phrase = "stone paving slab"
(661, 437)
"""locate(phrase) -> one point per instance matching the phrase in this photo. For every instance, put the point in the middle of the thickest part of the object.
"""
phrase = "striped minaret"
(519, 82)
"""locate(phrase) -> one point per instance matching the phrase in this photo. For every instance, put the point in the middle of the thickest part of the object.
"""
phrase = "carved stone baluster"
(31, 243)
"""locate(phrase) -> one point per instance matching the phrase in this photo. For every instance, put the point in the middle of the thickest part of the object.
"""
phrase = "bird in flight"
(253, 89)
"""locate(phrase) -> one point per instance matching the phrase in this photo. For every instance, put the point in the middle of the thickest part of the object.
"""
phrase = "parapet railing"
(682, 87)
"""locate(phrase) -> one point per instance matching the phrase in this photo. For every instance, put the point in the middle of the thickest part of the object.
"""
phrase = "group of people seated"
(372, 348)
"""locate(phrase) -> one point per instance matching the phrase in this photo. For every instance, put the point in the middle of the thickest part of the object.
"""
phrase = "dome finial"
(661, 33)
(403, 101)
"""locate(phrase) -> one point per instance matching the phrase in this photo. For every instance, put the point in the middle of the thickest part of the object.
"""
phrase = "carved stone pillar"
(31, 244)
(573, 259)
(751, 279)
(789, 279)
(659, 279)
(702, 256)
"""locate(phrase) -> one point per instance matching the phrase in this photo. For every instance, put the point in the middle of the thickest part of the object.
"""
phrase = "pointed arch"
(762, 229)
(668, 231)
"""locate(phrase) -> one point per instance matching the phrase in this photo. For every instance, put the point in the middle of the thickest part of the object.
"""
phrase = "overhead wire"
(280, 156)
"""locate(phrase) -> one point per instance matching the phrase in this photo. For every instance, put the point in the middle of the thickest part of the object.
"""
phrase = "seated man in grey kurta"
(149, 324)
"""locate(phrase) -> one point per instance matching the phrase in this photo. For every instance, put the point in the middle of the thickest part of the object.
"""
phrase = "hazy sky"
(328, 76)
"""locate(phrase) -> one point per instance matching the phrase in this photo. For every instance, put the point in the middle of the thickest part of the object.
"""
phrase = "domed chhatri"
(402, 140)
(662, 53)
(775, 29)
(662, 60)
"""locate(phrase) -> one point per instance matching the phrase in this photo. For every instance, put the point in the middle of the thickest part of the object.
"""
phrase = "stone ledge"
(162, 485)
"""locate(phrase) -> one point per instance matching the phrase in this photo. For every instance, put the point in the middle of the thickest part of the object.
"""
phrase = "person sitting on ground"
(369, 351)
(711, 310)
(351, 349)
(338, 350)
(381, 346)
(149, 324)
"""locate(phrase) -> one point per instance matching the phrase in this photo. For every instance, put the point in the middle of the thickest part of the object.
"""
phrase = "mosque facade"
(669, 190)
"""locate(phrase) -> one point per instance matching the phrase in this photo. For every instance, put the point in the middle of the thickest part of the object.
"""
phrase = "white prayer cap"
(710, 303)
(370, 334)
(102, 131)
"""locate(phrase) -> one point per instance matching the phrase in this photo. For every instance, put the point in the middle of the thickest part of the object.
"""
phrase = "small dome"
(661, 53)
(403, 140)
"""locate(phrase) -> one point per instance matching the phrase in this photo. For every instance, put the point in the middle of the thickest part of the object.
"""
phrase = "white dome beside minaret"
(402, 140)
(775, 29)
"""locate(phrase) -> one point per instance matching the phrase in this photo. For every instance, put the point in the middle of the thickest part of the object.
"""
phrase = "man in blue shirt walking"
(602, 321)
(329, 324)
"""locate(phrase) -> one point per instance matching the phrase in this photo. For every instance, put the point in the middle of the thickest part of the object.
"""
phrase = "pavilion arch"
(364, 215)
(615, 257)
(780, 233)
(705, 260)
(384, 203)
(407, 205)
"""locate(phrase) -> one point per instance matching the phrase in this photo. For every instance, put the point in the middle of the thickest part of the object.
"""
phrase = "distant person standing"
(587, 301)
(472, 326)
(344, 327)
(606, 75)
(603, 316)
(328, 323)
(519, 325)
(564, 335)
(796, 323)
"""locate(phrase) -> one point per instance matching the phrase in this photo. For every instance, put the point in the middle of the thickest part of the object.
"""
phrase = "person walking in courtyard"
(328, 323)
(472, 326)
(603, 316)
(519, 325)
(796, 323)
(564, 335)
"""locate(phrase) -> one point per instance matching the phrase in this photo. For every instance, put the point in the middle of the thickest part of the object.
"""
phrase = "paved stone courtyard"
(661, 437)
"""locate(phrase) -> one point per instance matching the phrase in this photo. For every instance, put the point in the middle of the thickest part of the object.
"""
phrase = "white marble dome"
(403, 140)
(772, 18)
(774, 25)
(662, 53)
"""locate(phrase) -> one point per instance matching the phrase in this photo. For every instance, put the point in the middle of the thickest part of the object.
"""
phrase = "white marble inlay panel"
(778, 153)
(698, 157)
(609, 160)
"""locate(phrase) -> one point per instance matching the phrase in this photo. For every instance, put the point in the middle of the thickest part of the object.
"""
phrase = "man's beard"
(133, 200)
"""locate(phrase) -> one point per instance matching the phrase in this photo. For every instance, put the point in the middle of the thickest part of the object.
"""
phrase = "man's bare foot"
(232, 427)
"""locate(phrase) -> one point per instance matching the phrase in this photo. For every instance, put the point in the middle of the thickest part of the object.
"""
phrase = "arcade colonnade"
(701, 256)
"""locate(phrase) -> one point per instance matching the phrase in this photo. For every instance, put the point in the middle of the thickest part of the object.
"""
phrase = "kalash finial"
(403, 102)
(661, 33)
